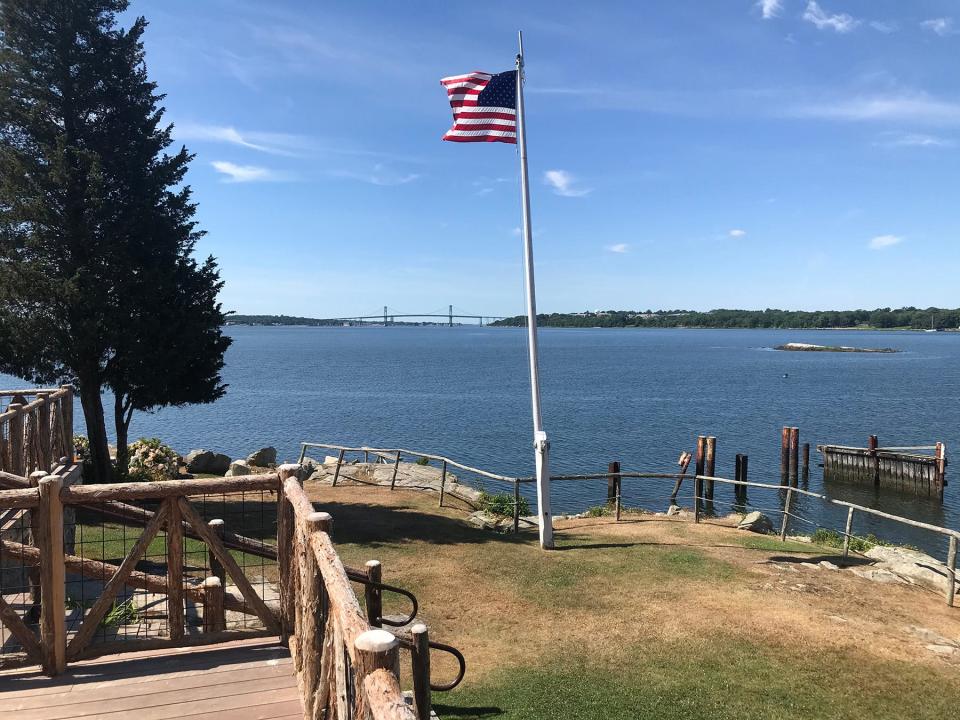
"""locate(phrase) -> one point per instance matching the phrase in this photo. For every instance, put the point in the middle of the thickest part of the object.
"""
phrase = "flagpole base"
(542, 455)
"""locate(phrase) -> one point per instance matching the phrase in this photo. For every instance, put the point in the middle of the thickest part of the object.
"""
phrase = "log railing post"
(420, 661)
(45, 436)
(175, 620)
(516, 507)
(336, 471)
(15, 438)
(53, 633)
(951, 570)
(373, 596)
(214, 615)
(66, 420)
(216, 567)
(313, 622)
(443, 481)
(396, 466)
(786, 513)
(847, 531)
(285, 554)
(375, 650)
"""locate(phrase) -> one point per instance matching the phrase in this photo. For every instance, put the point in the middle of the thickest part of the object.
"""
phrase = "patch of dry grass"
(643, 608)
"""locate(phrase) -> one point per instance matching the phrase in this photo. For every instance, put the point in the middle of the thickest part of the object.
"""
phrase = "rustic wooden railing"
(36, 429)
(346, 664)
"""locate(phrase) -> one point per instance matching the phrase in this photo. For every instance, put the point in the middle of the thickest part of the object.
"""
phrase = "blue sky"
(683, 154)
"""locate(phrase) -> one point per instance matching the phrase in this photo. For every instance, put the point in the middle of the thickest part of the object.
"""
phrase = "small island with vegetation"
(809, 347)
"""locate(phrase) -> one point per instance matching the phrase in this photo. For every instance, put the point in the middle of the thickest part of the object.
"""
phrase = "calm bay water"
(638, 396)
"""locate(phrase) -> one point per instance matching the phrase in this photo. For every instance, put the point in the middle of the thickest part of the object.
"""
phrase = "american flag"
(484, 107)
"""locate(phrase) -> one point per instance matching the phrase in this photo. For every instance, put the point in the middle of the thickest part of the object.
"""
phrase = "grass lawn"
(649, 618)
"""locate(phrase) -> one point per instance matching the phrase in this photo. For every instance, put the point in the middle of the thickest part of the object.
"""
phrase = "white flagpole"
(540, 443)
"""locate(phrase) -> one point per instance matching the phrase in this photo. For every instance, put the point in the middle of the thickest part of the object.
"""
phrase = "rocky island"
(808, 347)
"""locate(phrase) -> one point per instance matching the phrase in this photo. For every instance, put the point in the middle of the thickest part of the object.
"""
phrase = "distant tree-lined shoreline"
(880, 319)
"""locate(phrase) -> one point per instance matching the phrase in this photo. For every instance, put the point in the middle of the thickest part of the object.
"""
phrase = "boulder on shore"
(238, 468)
(264, 457)
(756, 522)
(207, 462)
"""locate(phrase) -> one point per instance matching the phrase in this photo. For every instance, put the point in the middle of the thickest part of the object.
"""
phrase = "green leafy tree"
(98, 285)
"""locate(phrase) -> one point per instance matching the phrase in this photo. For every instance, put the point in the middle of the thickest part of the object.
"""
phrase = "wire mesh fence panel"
(137, 609)
(250, 515)
(19, 585)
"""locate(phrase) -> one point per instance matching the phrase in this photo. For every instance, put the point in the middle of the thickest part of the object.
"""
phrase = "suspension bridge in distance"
(436, 317)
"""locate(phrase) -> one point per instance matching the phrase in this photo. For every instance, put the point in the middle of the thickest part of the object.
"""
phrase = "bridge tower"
(451, 316)
(384, 315)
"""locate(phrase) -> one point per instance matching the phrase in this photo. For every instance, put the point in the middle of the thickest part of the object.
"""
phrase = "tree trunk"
(121, 421)
(96, 429)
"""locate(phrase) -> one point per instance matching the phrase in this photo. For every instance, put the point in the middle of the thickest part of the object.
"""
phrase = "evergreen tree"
(97, 283)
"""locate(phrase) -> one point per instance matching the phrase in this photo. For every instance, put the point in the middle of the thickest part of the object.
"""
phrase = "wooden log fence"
(345, 662)
(36, 434)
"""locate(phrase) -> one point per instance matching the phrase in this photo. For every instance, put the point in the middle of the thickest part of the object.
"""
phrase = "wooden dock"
(244, 680)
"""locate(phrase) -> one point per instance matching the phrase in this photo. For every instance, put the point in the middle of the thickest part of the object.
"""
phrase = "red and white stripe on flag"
(484, 107)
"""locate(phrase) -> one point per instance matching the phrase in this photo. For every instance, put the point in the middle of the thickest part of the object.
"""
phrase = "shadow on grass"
(466, 712)
(839, 560)
(371, 524)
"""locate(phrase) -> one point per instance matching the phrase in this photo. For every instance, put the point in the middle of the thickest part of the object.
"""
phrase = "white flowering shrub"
(150, 459)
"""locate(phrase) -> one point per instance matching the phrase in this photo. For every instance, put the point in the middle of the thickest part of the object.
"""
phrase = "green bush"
(150, 459)
(598, 511)
(423, 461)
(832, 538)
(122, 613)
(502, 504)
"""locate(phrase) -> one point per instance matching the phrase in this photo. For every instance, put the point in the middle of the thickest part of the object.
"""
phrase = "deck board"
(252, 680)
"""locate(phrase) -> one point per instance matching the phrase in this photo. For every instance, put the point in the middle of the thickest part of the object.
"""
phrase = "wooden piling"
(806, 458)
(794, 454)
(740, 475)
(710, 465)
(420, 661)
(784, 455)
(872, 445)
(698, 483)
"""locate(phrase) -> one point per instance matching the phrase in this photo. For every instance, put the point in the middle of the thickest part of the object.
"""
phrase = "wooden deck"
(246, 680)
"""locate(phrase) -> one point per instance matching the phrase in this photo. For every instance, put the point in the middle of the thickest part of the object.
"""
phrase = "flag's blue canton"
(501, 91)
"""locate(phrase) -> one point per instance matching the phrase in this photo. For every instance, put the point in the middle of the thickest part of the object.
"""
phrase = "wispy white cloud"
(839, 22)
(885, 26)
(737, 233)
(234, 173)
(884, 241)
(942, 26)
(564, 183)
(915, 107)
(379, 175)
(267, 142)
(770, 8)
(619, 248)
(921, 140)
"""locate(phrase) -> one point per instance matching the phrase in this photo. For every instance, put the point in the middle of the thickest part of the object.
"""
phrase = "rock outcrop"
(264, 457)
(756, 522)
(207, 462)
